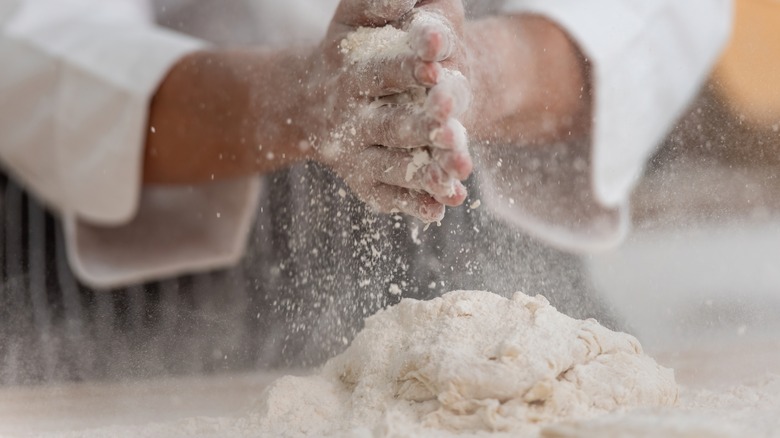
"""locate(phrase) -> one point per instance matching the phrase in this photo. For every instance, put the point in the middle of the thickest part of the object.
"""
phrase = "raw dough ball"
(469, 362)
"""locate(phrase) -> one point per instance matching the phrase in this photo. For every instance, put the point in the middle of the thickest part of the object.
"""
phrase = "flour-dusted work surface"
(70, 408)
(468, 362)
(404, 376)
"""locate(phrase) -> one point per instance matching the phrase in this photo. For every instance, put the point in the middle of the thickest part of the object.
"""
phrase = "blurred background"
(701, 263)
(698, 280)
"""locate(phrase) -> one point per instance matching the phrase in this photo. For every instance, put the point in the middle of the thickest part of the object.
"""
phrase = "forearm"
(223, 114)
(531, 82)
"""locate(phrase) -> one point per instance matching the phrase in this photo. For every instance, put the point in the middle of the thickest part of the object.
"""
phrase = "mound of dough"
(468, 362)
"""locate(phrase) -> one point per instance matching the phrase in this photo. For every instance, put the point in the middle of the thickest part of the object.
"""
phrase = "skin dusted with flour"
(270, 103)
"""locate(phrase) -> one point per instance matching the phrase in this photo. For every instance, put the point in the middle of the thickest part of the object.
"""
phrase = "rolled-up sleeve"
(76, 82)
(648, 58)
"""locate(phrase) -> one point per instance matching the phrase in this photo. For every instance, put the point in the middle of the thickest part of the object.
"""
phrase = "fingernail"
(427, 73)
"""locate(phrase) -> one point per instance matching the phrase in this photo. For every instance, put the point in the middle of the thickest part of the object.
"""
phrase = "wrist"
(530, 82)
(280, 106)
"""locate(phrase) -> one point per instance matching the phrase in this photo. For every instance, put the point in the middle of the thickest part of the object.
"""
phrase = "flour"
(476, 364)
(395, 290)
(469, 362)
(420, 159)
(368, 43)
(364, 45)
(746, 410)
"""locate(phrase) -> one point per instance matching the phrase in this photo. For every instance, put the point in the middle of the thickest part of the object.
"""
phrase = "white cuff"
(178, 230)
(75, 102)
(546, 191)
(648, 58)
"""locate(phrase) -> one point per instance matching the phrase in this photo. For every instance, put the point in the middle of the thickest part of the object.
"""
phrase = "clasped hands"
(387, 121)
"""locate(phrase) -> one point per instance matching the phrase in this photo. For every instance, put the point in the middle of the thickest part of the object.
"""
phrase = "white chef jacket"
(77, 77)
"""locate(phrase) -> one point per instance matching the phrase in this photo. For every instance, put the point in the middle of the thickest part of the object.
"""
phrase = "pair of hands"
(387, 121)
(388, 124)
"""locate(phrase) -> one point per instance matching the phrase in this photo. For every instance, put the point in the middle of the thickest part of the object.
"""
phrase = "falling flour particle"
(415, 235)
(395, 290)
(475, 205)
(367, 43)
(467, 363)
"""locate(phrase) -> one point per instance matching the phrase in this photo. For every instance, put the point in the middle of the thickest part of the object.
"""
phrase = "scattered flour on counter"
(745, 410)
(479, 365)
(469, 362)
(367, 43)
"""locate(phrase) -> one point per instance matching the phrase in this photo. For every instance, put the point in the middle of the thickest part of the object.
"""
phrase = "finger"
(385, 76)
(451, 135)
(399, 126)
(397, 122)
(390, 199)
(451, 98)
(457, 164)
(416, 171)
(452, 153)
(430, 37)
(444, 188)
(356, 13)
(398, 167)
(434, 27)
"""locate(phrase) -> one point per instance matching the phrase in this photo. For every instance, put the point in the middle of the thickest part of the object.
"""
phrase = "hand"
(383, 116)
(529, 79)
(436, 30)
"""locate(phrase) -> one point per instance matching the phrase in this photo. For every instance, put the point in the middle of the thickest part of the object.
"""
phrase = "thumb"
(372, 13)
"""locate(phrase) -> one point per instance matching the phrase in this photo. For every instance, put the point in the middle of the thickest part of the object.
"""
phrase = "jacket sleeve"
(74, 96)
(76, 81)
(648, 59)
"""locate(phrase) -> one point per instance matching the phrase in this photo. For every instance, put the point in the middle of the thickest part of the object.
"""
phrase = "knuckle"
(387, 131)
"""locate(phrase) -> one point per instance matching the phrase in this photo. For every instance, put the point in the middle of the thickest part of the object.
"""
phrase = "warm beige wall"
(748, 75)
